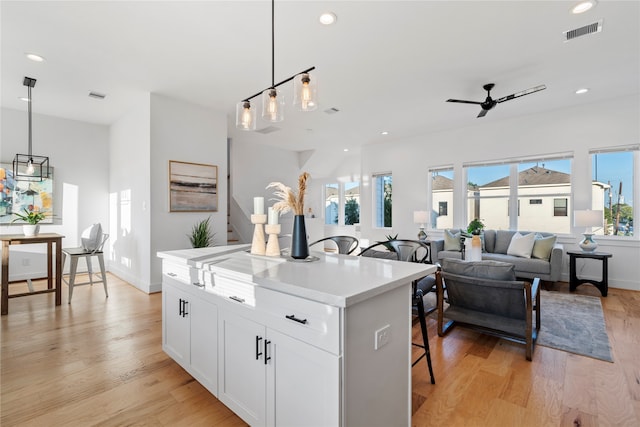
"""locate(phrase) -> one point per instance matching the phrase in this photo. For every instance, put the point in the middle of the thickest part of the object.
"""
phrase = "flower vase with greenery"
(475, 227)
(201, 235)
(32, 218)
(288, 200)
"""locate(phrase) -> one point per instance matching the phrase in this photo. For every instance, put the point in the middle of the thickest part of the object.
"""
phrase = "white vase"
(30, 230)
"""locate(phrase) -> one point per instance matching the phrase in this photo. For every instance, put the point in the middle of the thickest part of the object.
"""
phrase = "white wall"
(78, 152)
(576, 130)
(129, 190)
(188, 133)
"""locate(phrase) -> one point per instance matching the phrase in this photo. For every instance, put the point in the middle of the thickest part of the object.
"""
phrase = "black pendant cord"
(273, 45)
(29, 108)
(273, 59)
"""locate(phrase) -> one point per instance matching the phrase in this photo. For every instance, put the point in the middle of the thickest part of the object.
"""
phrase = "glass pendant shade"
(305, 92)
(272, 105)
(245, 116)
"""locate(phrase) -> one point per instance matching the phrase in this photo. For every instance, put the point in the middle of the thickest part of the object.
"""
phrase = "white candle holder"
(258, 246)
(273, 247)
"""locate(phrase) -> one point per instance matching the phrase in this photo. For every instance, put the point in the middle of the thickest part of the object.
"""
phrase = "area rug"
(573, 323)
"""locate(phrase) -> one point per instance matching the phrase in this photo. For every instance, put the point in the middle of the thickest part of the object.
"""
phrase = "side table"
(574, 281)
(19, 239)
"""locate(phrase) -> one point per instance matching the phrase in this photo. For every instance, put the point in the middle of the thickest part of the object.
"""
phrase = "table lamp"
(421, 217)
(588, 219)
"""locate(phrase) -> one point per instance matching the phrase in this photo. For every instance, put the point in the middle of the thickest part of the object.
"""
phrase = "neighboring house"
(544, 201)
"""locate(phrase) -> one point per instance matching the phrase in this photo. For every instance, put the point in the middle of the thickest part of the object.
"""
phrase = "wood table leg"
(58, 271)
(5, 277)
(49, 265)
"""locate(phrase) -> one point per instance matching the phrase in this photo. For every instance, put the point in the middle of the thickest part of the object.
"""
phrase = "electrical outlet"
(382, 336)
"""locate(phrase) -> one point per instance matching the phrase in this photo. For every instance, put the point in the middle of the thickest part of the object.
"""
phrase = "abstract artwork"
(193, 187)
(17, 195)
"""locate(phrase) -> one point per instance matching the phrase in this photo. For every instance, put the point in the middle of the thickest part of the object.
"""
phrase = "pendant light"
(27, 167)
(273, 99)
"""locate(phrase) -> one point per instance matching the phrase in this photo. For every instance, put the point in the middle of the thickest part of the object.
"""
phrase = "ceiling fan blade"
(523, 93)
(483, 113)
(461, 101)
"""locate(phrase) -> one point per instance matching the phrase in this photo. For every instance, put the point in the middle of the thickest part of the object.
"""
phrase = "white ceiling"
(386, 65)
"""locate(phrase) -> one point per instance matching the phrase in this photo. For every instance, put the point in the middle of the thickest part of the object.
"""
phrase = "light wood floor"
(99, 362)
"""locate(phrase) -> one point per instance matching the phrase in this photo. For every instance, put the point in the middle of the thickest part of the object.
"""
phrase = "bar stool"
(87, 254)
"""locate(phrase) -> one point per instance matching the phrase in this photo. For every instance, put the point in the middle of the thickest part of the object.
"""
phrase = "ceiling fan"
(489, 103)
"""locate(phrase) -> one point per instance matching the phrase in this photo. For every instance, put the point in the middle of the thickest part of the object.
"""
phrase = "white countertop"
(338, 280)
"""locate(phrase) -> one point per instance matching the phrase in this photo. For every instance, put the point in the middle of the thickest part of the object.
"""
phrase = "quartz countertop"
(338, 280)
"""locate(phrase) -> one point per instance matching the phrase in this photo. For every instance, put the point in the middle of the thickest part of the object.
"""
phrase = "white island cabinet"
(323, 343)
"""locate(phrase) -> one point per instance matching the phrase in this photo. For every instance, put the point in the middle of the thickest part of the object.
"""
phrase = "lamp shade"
(420, 217)
(588, 218)
(245, 116)
(272, 105)
(305, 89)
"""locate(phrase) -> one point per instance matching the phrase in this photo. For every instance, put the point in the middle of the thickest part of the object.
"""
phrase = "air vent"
(97, 95)
(268, 129)
(596, 27)
(331, 110)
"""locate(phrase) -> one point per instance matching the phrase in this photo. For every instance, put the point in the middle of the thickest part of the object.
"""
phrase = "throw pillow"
(521, 246)
(451, 241)
(503, 240)
(542, 246)
(495, 270)
(92, 237)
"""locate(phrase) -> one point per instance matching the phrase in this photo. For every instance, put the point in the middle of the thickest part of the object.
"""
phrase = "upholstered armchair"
(486, 296)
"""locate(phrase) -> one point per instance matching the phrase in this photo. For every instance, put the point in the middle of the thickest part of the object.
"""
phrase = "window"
(613, 190)
(442, 208)
(559, 207)
(488, 195)
(382, 199)
(351, 203)
(442, 198)
(537, 190)
(331, 203)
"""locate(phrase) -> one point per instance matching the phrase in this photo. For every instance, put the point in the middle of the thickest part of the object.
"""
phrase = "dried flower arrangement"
(287, 199)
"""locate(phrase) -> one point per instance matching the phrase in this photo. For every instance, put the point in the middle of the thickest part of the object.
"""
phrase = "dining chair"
(91, 247)
(346, 244)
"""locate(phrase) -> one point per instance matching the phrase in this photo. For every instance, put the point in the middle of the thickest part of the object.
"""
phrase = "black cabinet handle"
(180, 308)
(198, 284)
(258, 352)
(295, 319)
(172, 274)
(185, 313)
(237, 299)
(266, 351)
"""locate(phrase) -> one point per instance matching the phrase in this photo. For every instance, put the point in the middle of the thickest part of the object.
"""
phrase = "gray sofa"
(496, 243)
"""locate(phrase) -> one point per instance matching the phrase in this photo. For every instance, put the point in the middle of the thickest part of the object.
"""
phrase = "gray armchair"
(486, 296)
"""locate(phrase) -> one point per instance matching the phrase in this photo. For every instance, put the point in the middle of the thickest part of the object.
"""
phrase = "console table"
(20, 239)
(574, 281)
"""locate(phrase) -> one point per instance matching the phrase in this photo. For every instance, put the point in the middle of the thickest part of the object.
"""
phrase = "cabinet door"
(204, 343)
(175, 331)
(303, 383)
(242, 368)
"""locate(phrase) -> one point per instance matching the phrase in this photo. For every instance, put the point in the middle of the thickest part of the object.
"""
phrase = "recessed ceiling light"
(22, 98)
(345, 150)
(583, 6)
(384, 132)
(582, 90)
(328, 18)
(34, 57)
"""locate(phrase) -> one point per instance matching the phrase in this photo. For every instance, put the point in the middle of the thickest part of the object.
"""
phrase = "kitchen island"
(286, 343)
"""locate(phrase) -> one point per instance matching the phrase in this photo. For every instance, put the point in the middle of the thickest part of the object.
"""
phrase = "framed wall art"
(17, 195)
(193, 187)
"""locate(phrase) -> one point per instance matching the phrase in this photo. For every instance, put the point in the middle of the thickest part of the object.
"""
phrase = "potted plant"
(32, 218)
(475, 227)
(201, 235)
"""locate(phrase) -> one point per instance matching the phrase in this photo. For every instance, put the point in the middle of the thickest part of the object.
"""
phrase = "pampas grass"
(287, 198)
